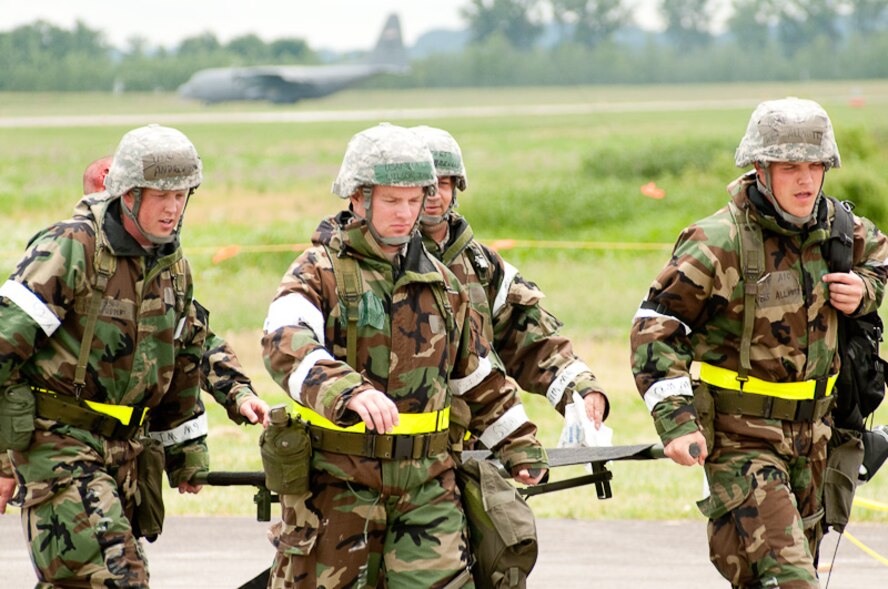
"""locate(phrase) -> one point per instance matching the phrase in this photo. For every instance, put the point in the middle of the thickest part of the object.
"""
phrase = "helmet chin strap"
(766, 189)
(134, 217)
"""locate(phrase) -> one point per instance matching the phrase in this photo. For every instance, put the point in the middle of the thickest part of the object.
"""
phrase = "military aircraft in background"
(289, 83)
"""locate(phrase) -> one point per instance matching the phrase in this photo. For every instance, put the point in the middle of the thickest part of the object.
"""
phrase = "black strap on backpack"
(861, 383)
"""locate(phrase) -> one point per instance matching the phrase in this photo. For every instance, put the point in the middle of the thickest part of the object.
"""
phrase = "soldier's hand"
(378, 412)
(845, 291)
(186, 487)
(679, 449)
(255, 410)
(527, 477)
(7, 490)
(595, 404)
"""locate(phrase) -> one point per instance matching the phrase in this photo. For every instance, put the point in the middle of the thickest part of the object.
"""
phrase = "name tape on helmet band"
(172, 164)
(403, 173)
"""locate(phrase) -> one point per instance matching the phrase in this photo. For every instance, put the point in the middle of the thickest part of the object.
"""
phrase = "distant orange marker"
(224, 253)
(857, 101)
(502, 244)
(651, 190)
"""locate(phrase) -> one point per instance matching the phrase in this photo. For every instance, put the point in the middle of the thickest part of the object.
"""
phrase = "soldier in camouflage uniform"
(221, 373)
(765, 339)
(97, 319)
(524, 335)
(388, 507)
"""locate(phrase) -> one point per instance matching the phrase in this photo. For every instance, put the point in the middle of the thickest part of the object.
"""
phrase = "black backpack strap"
(840, 246)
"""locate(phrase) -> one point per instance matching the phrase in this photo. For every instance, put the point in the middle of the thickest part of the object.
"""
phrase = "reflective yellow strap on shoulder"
(410, 423)
(795, 391)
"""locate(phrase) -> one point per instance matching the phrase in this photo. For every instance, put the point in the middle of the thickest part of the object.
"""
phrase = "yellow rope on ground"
(870, 504)
(865, 548)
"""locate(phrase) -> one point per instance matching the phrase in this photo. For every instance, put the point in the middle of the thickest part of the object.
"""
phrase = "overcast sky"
(324, 24)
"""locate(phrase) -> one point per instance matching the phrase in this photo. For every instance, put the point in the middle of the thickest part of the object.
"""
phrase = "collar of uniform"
(764, 214)
(460, 237)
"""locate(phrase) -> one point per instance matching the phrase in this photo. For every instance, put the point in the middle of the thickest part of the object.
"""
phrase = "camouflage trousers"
(411, 531)
(765, 505)
(73, 516)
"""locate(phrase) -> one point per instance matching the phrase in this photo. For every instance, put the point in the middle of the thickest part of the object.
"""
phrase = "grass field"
(574, 179)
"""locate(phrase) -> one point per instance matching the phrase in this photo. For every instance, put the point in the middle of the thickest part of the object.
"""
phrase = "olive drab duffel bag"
(501, 527)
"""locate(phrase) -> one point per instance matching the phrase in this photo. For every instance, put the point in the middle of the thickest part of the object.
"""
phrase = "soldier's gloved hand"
(7, 490)
(845, 291)
(679, 449)
(376, 409)
(526, 477)
(255, 410)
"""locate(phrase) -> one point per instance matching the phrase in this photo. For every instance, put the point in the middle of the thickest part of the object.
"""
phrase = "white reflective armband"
(292, 310)
(298, 376)
(190, 430)
(459, 386)
(31, 304)
(556, 390)
(503, 427)
(651, 314)
(671, 387)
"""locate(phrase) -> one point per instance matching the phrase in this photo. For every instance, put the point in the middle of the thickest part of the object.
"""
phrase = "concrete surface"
(224, 552)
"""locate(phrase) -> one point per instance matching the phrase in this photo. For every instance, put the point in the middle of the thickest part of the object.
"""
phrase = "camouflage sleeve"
(497, 415)
(180, 420)
(35, 299)
(221, 373)
(6, 470)
(294, 337)
(526, 338)
(680, 299)
(870, 263)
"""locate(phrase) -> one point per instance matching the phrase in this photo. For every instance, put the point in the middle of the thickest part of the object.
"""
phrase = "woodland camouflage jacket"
(147, 346)
(416, 347)
(694, 309)
(524, 335)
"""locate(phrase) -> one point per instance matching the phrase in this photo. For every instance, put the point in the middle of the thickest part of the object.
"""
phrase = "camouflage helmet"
(446, 153)
(385, 155)
(788, 130)
(155, 157)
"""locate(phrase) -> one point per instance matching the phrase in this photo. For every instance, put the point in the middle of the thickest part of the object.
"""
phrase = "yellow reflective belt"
(122, 413)
(410, 423)
(794, 391)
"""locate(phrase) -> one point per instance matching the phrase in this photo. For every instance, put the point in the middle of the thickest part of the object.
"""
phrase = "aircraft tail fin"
(389, 48)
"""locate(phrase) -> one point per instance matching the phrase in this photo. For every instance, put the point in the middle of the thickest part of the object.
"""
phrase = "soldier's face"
(796, 185)
(436, 205)
(159, 212)
(395, 209)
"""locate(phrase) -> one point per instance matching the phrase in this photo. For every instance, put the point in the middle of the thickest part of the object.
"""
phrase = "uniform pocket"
(17, 411)
(297, 533)
(727, 490)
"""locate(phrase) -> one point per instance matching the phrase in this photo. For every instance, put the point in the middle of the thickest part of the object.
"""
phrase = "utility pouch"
(17, 412)
(502, 530)
(844, 457)
(149, 512)
(704, 404)
(285, 447)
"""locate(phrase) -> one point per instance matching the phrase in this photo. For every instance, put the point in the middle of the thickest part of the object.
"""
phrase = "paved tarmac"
(224, 552)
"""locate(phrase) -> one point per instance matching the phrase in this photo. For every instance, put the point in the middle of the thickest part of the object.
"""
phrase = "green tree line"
(761, 40)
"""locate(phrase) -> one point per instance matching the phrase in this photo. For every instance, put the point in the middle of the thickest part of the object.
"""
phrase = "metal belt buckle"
(402, 447)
